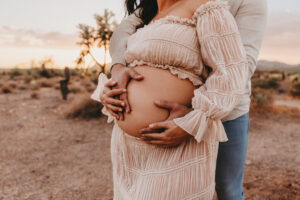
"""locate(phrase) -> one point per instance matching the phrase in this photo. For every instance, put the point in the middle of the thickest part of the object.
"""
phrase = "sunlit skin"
(165, 133)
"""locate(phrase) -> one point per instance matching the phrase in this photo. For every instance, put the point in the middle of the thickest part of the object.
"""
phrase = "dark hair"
(148, 10)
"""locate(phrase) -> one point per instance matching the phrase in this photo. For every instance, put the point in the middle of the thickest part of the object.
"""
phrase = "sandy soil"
(45, 156)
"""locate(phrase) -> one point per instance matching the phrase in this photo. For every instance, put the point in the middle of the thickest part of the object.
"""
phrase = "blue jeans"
(231, 159)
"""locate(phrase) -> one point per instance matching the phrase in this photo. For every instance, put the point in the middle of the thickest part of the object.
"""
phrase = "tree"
(87, 41)
(99, 37)
(104, 31)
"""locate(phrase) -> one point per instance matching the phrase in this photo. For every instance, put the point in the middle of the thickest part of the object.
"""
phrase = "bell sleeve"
(223, 51)
(102, 80)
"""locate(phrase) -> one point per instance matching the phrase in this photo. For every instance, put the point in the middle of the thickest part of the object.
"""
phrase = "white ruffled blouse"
(185, 46)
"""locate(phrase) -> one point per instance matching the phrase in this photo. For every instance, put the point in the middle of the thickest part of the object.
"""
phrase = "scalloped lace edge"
(180, 73)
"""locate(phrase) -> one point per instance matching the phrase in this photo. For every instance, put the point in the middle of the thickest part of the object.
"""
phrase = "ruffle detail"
(202, 127)
(207, 7)
(175, 20)
(204, 8)
(180, 73)
(102, 80)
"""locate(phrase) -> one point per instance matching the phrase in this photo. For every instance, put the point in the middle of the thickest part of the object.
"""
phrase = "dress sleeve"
(223, 51)
(118, 42)
(102, 80)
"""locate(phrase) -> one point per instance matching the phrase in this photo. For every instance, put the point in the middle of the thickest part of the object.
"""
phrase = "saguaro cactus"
(64, 84)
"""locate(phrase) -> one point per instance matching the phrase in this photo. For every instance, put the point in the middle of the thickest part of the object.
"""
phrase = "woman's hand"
(108, 99)
(122, 75)
(167, 133)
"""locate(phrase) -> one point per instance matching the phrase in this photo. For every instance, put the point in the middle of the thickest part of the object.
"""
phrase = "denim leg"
(231, 160)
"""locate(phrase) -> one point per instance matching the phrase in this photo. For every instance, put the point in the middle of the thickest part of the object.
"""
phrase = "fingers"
(153, 136)
(115, 102)
(114, 108)
(115, 92)
(111, 83)
(135, 75)
(150, 130)
(166, 104)
(159, 125)
(122, 117)
(114, 114)
(124, 98)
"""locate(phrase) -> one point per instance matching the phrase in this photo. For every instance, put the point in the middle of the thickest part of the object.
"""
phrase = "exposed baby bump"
(158, 84)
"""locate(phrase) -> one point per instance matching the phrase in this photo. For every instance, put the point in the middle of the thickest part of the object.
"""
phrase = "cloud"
(283, 30)
(20, 38)
(282, 37)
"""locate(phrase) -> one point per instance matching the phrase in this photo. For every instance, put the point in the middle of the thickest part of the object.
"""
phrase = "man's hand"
(122, 75)
(167, 133)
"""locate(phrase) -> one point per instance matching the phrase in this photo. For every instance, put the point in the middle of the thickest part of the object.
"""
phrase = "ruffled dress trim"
(102, 80)
(207, 7)
(201, 10)
(179, 72)
(175, 20)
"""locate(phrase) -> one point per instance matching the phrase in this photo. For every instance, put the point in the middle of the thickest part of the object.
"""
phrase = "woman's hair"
(148, 10)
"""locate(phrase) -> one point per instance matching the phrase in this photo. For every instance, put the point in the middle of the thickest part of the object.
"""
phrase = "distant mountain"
(269, 65)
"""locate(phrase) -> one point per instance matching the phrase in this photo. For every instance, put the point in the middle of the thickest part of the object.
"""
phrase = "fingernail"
(157, 101)
(123, 104)
(151, 125)
(124, 90)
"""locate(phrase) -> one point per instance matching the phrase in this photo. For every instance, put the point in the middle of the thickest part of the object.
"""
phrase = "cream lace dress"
(183, 46)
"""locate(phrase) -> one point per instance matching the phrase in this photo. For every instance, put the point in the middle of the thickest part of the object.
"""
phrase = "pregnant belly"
(158, 84)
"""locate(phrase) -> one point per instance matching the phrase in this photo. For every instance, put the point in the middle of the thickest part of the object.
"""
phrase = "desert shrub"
(84, 107)
(46, 83)
(35, 95)
(56, 86)
(15, 72)
(265, 83)
(88, 85)
(261, 97)
(22, 87)
(75, 88)
(295, 89)
(27, 78)
(13, 85)
(5, 89)
(34, 85)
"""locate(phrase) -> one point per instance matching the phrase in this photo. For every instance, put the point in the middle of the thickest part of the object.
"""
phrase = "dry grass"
(83, 107)
(274, 109)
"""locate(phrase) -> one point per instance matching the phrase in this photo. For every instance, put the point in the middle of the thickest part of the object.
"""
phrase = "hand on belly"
(158, 84)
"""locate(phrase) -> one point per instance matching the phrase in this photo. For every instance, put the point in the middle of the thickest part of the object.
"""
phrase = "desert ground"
(45, 155)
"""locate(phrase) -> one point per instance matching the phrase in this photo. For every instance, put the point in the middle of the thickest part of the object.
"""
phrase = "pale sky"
(33, 29)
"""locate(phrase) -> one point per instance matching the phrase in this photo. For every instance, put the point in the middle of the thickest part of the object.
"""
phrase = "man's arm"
(118, 42)
(251, 20)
